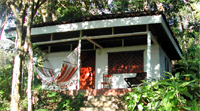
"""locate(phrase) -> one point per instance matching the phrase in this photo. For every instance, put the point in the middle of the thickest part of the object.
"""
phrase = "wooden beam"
(52, 36)
(113, 30)
(122, 42)
(92, 37)
(95, 43)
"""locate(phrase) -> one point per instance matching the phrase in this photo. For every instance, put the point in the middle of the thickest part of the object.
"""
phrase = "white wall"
(162, 61)
(155, 61)
(118, 79)
(55, 59)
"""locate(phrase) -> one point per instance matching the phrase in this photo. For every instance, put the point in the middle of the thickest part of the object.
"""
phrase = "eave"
(153, 20)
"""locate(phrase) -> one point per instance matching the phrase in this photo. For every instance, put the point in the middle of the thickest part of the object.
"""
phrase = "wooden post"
(148, 53)
(79, 60)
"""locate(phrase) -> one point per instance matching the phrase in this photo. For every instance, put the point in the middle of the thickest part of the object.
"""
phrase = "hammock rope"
(66, 76)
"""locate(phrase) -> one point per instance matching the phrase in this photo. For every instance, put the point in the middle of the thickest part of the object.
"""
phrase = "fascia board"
(95, 24)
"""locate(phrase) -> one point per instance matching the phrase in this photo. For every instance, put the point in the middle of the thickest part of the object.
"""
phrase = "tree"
(68, 9)
(24, 11)
(19, 9)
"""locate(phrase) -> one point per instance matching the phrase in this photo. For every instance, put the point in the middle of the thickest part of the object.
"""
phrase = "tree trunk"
(30, 49)
(15, 84)
(30, 77)
(15, 96)
(19, 9)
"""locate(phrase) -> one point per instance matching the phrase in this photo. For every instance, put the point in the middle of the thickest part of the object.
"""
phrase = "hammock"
(46, 74)
(66, 76)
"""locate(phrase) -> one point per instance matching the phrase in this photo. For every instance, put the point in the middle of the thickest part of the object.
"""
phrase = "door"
(87, 74)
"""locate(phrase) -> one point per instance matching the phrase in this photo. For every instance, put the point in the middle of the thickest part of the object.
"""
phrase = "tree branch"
(38, 4)
(13, 8)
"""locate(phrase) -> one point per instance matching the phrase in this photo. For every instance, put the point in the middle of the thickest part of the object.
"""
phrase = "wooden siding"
(125, 62)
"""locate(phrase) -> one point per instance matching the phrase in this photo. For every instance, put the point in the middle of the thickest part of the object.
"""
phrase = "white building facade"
(148, 36)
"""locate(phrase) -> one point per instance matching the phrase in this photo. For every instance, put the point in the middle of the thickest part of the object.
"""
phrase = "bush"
(170, 94)
(58, 101)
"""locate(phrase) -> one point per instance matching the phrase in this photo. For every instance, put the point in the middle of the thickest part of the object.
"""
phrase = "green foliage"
(170, 94)
(6, 66)
(24, 103)
(5, 105)
(5, 87)
(120, 6)
(5, 81)
(71, 12)
(65, 104)
(58, 101)
(71, 103)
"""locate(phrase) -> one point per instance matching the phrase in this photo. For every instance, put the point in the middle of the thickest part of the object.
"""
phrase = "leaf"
(187, 108)
(175, 109)
(187, 94)
(162, 108)
(184, 84)
(140, 106)
(186, 75)
(194, 105)
(174, 102)
(194, 68)
(171, 94)
(51, 94)
(177, 75)
(165, 83)
(156, 105)
(137, 97)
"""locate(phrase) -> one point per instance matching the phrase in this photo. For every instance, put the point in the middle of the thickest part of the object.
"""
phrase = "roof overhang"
(106, 23)
(94, 24)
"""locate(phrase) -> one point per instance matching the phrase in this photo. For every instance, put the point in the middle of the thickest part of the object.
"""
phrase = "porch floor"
(96, 92)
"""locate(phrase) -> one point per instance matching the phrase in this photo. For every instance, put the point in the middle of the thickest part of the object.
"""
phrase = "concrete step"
(112, 104)
(97, 109)
(104, 103)
(100, 103)
(104, 98)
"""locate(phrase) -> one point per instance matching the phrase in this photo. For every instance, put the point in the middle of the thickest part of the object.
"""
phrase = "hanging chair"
(67, 74)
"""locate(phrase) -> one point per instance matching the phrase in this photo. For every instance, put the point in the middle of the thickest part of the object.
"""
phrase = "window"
(166, 65)
(125, 62)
